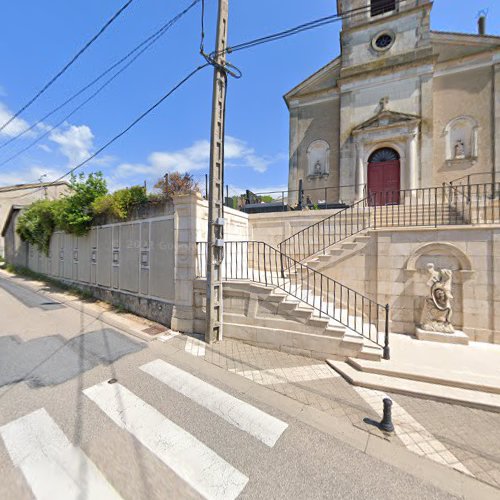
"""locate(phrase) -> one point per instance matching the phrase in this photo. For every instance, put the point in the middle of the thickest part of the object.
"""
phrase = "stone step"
(428, 374)
(452, 395)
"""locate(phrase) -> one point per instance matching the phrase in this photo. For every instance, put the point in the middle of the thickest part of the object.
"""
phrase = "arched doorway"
(384, 177)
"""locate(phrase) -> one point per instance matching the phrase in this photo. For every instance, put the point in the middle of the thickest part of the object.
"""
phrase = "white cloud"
(75, 142)
(15, 127)
(30, 175)
(45, 148)
(197, 157)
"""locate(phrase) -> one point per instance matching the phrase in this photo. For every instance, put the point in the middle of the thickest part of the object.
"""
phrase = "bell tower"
(385, 87)
(377, 29)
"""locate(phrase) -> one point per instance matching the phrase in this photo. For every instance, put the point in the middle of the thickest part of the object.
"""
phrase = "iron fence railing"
(477, 178)
(261, 263)
(434, 206)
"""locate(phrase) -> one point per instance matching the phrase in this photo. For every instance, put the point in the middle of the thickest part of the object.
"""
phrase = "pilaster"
(186, 228)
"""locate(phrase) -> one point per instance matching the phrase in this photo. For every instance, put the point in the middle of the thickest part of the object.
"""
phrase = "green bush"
(74, 214)
(121, 203)
(37, 223)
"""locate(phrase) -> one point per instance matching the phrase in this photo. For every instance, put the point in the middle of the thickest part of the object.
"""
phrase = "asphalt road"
(88, 412)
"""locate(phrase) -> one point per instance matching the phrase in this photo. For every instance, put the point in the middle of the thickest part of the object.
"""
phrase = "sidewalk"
(462, 438)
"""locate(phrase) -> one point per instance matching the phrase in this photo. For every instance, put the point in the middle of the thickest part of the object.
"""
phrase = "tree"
(176, 183)
(74, 213)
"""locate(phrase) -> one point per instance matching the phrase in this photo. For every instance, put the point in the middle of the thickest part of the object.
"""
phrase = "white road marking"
(195, 347)
(52, 466)
(288, 375)
(191, 460)
(413, 434)
(166, 338)
(244, 416)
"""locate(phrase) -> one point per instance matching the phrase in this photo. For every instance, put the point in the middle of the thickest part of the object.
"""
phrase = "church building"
(402, 107)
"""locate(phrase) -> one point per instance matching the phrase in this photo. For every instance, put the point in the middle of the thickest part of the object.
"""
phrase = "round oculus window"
(383, 41)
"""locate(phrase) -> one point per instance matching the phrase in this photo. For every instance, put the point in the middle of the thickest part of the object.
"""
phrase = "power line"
(66, 67)
(102, 87)
(150, 40)
(303, 27)
(125, 130)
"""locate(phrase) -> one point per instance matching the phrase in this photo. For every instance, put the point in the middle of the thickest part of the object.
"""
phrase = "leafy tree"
(74, 213)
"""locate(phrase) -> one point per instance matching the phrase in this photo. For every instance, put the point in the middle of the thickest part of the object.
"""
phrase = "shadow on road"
(52, 360)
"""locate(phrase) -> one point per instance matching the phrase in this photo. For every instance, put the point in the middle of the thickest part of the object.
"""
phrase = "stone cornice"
(418, 57)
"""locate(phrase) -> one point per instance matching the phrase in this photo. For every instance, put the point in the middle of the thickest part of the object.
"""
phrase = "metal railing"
(477, 178)
(434, 206)
(261, 263)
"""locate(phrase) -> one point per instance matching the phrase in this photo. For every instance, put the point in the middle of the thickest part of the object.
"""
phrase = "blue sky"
(38, 38)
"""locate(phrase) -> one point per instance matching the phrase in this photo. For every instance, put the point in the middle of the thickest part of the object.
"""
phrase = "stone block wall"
(391, 268)
(147, 265)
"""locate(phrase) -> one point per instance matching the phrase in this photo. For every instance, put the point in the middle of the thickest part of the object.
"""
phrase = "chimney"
(481, 25)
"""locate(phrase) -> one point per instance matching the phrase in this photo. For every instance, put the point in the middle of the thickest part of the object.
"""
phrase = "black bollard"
(386, 424)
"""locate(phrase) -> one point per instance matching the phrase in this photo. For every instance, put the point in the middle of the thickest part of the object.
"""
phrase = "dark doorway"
(384, 177)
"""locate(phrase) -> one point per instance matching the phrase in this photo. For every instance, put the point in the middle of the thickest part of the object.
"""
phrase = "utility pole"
(216, 183)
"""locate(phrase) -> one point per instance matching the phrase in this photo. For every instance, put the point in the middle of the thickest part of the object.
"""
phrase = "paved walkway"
(462, 438)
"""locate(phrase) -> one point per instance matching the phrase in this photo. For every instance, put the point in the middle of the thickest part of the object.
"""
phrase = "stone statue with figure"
(437, 311)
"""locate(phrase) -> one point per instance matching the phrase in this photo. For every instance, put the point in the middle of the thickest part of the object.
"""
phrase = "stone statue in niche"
(459, 150)
(437, 311)
(318, 169)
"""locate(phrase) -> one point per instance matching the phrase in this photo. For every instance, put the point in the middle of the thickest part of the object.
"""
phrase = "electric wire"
(97, 92)
(67, 65)
(124, 131)
(148, 42)
(301, 28)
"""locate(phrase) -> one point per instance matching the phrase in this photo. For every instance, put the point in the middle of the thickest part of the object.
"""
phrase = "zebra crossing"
(54, 468)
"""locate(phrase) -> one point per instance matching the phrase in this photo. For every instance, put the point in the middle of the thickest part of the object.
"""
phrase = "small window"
(382, 6)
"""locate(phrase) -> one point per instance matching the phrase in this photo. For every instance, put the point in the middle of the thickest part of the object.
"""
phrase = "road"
(88, 411)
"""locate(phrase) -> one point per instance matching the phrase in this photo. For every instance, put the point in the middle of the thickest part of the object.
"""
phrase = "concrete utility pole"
(216, 183)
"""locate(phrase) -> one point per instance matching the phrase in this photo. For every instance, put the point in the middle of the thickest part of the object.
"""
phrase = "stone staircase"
(337, 253)
(268, 316)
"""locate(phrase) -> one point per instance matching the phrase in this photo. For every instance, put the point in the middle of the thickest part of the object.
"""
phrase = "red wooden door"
(384, 182)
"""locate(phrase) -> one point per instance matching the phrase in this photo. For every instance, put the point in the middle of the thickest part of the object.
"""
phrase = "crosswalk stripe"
(242, 415)
(201, 468)
(52, 466)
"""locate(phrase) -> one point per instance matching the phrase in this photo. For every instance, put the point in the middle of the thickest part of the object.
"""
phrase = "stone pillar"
(360, 172)
(426, 176)
(412, 172)
(293, 181)
(186, 222)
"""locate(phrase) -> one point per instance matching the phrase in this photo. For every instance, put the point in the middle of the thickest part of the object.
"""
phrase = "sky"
(38, 38)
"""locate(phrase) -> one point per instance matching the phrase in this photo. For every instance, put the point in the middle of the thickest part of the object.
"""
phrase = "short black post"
(386, 424)
(387, 350)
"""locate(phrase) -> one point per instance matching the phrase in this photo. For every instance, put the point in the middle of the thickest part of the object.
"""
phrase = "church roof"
(449, 45)
(323, 79)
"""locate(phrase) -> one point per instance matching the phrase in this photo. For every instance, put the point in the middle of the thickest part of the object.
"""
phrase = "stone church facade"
(402, 107)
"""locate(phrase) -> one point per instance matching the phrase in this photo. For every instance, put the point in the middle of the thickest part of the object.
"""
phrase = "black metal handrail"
(259, 262)
(328, 231)
(491, 176)
(433, 206)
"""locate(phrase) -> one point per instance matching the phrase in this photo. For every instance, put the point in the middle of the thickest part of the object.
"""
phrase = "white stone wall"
(391, 268)
(273, 228)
